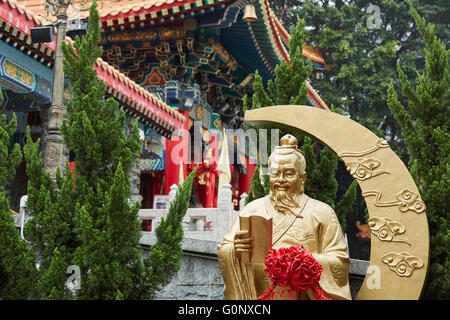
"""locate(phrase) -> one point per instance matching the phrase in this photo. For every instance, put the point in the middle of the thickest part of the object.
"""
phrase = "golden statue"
(293, 219)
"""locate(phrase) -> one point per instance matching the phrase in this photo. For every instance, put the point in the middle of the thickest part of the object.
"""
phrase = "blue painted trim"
(29, 89)
(25, 61)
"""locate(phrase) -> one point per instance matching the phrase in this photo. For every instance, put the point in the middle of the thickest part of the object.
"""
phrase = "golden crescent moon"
(397, 219)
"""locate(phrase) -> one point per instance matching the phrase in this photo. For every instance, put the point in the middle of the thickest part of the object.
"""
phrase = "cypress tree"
(106, 224)
(425, 128)
(50, 228)
(163, 260)
(50, 280)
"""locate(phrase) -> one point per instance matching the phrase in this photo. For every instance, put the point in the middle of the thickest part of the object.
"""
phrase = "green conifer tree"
(50, 229)
(49, 283)
(289, 88)
(163, 260)
(425, 129)
(17, 263)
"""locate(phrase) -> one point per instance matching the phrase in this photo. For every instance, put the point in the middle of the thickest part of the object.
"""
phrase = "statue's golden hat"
(288, 141)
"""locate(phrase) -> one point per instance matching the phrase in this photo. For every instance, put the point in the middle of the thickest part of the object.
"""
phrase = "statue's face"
(285, 175)
(286, 182)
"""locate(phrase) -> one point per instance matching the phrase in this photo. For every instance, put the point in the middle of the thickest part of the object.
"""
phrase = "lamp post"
(54, 151)
(55, 154)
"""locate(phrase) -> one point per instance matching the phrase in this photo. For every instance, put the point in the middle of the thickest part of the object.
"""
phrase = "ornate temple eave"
(276, 45)
(16, 22)
(274, 39)
(308, 52)
(151, 109)
(276, 33)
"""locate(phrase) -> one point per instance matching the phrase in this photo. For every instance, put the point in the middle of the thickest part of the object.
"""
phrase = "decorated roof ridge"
(23, 10)
(141, 97)
(283, 43)
(22, 22)
(314, 96)
(308, 51)
(273, 34)
(121, 9)
(279, 32)
(139, 100)
(282, 31)
(141, 104)
(271, 30)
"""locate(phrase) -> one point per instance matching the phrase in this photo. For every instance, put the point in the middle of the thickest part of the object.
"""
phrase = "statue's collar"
(282, 222)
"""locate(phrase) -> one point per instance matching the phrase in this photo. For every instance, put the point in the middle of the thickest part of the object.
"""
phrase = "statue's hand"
(242, 242)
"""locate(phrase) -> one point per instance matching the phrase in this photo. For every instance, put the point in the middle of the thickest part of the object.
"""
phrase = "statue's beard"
(286, 201)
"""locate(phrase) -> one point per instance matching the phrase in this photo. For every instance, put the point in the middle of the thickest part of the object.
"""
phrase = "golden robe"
(316, 228)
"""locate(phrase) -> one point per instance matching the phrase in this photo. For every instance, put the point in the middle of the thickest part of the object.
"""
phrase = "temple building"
(179, 67)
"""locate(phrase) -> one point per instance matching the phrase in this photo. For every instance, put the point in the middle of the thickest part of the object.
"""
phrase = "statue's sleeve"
(238, 276)
(333, 258)
(229, 265)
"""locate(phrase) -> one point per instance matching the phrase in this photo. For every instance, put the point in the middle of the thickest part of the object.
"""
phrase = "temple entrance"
(146, 190)
(151, 184)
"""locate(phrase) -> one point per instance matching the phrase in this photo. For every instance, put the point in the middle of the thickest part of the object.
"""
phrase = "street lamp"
(54, 154)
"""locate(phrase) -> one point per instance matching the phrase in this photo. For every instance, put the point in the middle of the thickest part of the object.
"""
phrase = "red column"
(209, 188)
(176, 150)
(244, 179)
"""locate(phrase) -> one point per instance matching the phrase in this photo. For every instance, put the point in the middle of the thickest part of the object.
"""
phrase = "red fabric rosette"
(294, 267)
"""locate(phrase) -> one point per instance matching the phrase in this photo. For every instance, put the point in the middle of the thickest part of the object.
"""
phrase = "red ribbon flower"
(294, 267)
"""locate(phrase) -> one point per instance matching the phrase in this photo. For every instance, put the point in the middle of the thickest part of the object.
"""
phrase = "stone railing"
(200, 223)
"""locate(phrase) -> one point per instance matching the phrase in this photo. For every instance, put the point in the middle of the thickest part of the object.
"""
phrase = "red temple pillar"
(244, 179)
(206, 191)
